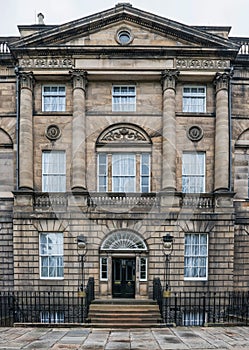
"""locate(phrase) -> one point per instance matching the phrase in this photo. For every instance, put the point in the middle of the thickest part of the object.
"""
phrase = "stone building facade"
(119, 129)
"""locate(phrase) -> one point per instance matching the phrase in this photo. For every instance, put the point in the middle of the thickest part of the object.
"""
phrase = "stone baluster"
(79, 131)
(26, 181)
(221, 163)
(169, 78)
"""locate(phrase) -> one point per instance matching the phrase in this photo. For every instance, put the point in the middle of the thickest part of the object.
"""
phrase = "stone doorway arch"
(124, 265)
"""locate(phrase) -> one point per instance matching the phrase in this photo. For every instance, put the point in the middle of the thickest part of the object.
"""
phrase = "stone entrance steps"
(124, 313)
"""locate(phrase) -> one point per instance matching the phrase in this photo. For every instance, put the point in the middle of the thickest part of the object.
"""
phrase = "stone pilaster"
(26, 132)
(78, 181)
(169, 78)
(221, 164)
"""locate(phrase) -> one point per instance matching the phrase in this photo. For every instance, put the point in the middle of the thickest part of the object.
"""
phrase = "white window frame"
(51, 250)
(143, 279)
(195, 256)
(52, 317)
(128, 178)
(191, 96)
(124, 101)
(192, 178)
(107, 171)
(144, 175)
(49, 176)
(102, 161)
(56, 99)
(102, 258)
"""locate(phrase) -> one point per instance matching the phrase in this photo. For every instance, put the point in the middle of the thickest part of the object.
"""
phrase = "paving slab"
(179, 338)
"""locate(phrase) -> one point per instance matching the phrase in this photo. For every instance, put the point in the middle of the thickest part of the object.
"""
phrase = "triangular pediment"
(100, 30)
(108, 36)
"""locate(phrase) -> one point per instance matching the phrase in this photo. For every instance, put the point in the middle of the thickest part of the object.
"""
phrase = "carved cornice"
(26, 80)
(201, 64)
(79, 78)
(169, 79)
(221, 81)
(46, 62)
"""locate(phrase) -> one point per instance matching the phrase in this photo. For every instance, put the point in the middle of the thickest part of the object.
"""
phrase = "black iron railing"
(52, 307)
(202, 308)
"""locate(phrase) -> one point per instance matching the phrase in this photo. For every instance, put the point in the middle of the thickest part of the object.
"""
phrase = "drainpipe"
(17, 124)
(230, 128)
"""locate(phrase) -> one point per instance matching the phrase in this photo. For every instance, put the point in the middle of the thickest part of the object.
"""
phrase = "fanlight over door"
(124, 240)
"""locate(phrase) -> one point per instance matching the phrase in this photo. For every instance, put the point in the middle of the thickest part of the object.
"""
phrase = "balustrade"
(4, 48)
(198, 201)
(46, 200)
(126, 200)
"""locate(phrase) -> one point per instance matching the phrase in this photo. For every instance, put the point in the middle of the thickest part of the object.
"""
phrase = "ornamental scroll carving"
(169, 78)
(27, 80)
(202, 64)
(221, 81)
(47, 62)
(79, 78)
(123, 134)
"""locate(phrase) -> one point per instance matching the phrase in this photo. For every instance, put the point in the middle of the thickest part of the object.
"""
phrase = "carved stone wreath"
(195, 133)
(53, 132)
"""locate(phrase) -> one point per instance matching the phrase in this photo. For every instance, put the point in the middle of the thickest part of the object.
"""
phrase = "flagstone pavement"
(178, 338)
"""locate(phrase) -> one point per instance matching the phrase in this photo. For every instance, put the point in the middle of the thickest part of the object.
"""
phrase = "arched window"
(124, 240)
(124, 159)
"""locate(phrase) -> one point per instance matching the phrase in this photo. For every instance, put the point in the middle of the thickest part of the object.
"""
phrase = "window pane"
(102, 172)
(143, 269)
(195, 256)
(104, 268)
(124, 172)
(124, 98)
(54, 171)
(193, 172)
(145, 172)
(54, 98)
(51, 255)
(194, 99)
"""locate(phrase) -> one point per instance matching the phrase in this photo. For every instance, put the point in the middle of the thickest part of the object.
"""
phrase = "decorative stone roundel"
(123, 240)
(195, 133)
(53, 132)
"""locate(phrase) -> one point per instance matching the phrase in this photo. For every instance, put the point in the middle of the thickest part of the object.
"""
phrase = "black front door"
(123, 278)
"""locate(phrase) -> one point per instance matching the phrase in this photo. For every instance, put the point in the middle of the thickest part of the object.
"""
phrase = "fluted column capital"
(169, 79)
(27, 80)
(221, 81)
(79, 79)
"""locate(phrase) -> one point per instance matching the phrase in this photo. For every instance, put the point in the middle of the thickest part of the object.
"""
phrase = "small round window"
(124, 37)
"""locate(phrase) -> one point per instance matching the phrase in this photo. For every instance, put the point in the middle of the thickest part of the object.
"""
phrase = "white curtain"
(124, 172)
(54, 171)
(195, 257)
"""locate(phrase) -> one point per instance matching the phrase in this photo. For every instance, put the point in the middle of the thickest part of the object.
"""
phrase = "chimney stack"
(40, 18)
